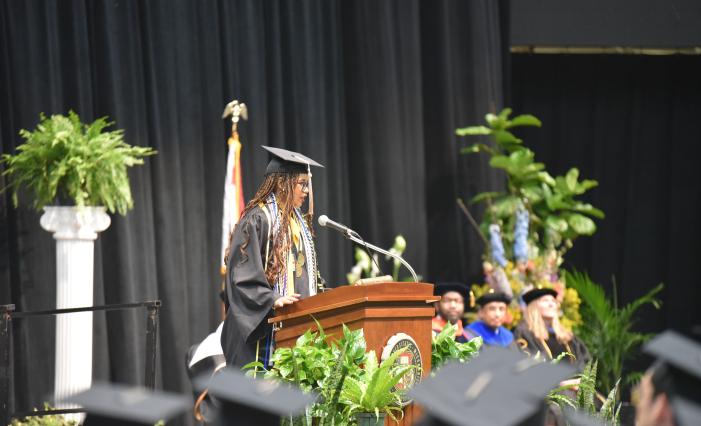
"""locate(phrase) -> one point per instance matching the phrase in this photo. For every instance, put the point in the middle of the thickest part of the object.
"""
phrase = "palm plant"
(315, 365)
(607, 329)
(374, 391)
(66, 159)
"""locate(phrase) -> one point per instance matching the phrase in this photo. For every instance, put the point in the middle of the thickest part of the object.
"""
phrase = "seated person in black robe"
(540, 330)
(271, 260)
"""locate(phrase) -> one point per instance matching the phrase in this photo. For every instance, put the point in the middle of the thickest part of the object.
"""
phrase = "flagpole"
(233, 190)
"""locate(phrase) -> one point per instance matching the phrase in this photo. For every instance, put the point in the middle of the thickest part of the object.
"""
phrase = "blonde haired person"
(540, 330)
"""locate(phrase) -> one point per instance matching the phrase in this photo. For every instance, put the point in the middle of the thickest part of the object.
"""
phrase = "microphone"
(343, 229)
(353, 236)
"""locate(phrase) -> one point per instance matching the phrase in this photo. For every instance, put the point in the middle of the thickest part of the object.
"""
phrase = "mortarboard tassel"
(310, 210)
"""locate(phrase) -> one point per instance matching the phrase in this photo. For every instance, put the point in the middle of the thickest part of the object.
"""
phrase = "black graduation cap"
(285, 161)
(537, 292)
(442, 288)
(680, 359)
(493, 296)
(499, 387)
(117, 404)
(247, 401)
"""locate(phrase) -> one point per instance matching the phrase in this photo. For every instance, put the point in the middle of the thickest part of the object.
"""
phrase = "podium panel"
(388, 313)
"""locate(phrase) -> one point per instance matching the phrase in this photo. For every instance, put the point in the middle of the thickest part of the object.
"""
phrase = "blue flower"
(497, 245)
(521, 236)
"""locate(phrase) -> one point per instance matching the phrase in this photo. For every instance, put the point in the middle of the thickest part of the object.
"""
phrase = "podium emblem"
(411, 356)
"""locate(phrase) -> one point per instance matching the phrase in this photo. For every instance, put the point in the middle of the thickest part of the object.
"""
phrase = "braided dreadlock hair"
(282, 185)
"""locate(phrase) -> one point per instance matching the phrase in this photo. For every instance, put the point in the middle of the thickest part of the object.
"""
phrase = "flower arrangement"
(367, 267)
(529, 227)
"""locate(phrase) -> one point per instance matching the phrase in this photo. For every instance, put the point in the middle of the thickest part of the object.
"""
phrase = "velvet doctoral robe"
(551, 347)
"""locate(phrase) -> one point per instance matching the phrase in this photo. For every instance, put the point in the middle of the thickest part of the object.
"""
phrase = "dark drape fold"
(462, 82)
(632, 124)
(381, 44)
(373, 90)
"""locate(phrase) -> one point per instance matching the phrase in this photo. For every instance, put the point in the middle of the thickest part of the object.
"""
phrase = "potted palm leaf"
(372, 396)
(65, 160)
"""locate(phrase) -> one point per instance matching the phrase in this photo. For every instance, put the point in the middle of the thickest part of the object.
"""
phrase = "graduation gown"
(551, 348)
(246, 335)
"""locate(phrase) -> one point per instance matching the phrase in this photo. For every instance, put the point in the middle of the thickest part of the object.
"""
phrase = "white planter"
(75, 230)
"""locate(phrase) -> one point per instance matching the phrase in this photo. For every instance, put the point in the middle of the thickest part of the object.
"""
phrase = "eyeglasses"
(303, 183)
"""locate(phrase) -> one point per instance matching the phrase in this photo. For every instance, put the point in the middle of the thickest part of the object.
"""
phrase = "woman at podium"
(271, 260)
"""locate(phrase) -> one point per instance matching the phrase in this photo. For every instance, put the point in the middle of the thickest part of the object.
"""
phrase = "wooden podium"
(384, 311)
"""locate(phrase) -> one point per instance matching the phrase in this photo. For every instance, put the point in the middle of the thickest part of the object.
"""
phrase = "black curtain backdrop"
(373, 90)
(632, 123)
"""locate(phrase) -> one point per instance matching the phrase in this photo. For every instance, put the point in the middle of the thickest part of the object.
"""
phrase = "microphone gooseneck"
(353, 236)
(343, 229)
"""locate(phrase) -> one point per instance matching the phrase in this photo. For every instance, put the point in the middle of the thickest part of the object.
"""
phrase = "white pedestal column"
(75, 230)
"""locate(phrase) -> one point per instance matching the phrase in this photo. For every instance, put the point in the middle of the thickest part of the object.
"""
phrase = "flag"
(233, 194)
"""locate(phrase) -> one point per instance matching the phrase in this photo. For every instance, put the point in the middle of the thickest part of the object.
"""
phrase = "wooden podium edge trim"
(352, 302)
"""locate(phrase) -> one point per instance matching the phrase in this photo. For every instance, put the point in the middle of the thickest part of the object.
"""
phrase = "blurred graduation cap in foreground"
(246, 401)
(500, 387)
(117, 404)
(678, 374)
(578, 418)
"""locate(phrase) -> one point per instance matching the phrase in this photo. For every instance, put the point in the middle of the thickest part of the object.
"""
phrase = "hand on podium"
(286, 300)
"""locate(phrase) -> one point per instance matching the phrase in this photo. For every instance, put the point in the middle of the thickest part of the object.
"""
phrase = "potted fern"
(65, 160)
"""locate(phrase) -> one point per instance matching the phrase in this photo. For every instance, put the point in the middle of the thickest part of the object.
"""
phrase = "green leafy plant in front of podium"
(64, 159)
(315, 365)
(374, 391)
(444, 348)
(347, 379)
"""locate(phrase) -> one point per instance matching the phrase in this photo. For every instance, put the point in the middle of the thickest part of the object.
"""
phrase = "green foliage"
(557, 217)
(445, 348)
(373, 391)
(587, 388)
(48, 420)
(347, 379)
(606, 328)
(586, 395)
(63, 157)
(314, 365)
